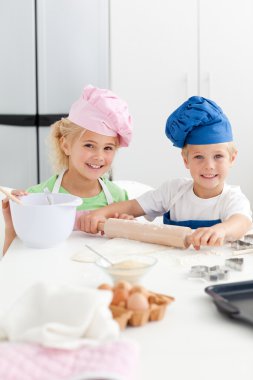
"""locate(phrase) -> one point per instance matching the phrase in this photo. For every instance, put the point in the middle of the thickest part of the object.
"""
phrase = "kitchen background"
(154, 54)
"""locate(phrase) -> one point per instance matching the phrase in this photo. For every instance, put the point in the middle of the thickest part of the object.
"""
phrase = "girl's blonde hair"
(230, 145)
(67, 129)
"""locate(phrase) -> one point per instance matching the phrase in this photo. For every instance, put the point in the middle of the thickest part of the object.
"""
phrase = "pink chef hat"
(101, 111)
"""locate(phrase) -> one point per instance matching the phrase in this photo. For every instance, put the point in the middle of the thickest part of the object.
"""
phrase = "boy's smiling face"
(209, 166)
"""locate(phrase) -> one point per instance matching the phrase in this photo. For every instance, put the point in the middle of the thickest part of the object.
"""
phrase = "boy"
(218, 212)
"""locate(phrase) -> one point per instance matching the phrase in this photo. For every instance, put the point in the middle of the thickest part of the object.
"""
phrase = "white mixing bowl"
(40, 225)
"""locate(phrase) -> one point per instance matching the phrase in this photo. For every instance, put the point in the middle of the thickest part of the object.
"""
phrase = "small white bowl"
(129, 268)
(40, 225)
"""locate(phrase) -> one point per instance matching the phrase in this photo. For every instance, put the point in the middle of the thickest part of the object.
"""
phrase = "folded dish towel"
(59, 316)
(109, 361)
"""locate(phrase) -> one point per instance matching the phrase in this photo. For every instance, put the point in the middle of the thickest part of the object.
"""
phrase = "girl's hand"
(89, 221)
(208, 236)
(7, 214)
(9, 228)
(19, 192)
(6, 209)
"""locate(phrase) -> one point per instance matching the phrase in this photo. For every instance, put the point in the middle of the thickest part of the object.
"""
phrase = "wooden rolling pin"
(172, 236)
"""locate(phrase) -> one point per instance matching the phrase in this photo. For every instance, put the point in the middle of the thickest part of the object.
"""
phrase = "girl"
(83, 146)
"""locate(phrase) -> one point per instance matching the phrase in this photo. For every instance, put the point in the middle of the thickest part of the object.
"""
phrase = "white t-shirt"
(177, 196)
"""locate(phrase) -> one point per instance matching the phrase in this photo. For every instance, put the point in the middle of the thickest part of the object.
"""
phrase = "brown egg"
(122, 304)
(137, 301)
(119, 297)
(105, 287)
(123, 285)
(139, 289)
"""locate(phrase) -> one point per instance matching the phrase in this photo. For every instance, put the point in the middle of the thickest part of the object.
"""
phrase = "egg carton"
(155, 312)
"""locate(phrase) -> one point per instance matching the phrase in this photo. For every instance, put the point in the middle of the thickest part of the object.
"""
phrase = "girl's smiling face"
(90, 155)
(209, 166)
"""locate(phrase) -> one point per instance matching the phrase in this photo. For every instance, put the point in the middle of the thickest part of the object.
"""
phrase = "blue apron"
(193, 224)
(187, 223)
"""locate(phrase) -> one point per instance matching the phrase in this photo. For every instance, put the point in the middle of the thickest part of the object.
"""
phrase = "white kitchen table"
(193, 341)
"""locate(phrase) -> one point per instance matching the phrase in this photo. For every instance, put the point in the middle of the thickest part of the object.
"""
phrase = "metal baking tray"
(234, 299)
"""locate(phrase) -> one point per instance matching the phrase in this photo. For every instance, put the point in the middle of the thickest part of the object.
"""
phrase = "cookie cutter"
(243, 246)
(213, 273)
(235, 263)
(244, 243)
(216, 272)
(198, 271)
(248, 238)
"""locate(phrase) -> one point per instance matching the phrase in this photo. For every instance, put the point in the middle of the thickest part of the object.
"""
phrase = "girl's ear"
(65, 145)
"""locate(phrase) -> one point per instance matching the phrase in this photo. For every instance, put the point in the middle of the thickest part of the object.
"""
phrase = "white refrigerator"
(49, 50)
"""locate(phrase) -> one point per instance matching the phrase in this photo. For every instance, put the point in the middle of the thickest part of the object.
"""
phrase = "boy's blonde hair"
(62, 128)
(230, 145)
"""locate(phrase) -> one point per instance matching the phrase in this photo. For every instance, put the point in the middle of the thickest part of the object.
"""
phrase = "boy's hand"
(123, 216)
(208, 236)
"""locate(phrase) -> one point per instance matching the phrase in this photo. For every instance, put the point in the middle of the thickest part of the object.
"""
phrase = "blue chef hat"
(198, 121)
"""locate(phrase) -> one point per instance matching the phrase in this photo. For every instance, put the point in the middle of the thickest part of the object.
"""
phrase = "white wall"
(164, 51)
(149, 70)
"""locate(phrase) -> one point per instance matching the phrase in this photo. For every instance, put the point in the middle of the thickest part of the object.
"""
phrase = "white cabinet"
(50, 50)
(18, 156)
(226, 74)
(73, 51)
(17, 94)
(172, 50)
(17, 65)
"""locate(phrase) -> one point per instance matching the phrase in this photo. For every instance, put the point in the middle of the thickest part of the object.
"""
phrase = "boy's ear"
(233, 157)
(65, 145)
(185, 160)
